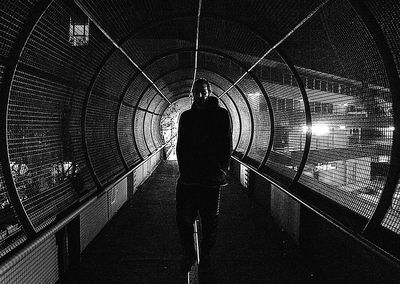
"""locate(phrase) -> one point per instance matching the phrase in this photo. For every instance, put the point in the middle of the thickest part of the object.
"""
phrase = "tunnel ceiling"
(161, 35)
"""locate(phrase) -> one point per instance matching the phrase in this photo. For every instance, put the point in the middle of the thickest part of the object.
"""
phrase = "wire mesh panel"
(147, 131)
(11, 233)
(49, 50)
(270, 16)
(121, 18)
(125, 135)
(288, 109)
(139, 133)
(386, 13)
(13, 15)
(350, 107)
(49, 54)
(72, 142)
(136, 87)
(156, 130)
(101, 136)
(150, 43)
(262, 124)
(101, 115)
(114, 75)
(230, 38)
(42, 171)
(155, 121)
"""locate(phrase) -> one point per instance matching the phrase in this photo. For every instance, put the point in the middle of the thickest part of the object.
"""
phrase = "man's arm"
(226, 143)
(180, 148)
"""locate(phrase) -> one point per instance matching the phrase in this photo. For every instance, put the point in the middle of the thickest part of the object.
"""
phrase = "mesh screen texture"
(42, 170)
(125, 135)
(121, 18)
(276, 18)
(48, 48)
(11, 233)
(148, 131)
(230, 38)
(154, 103)
(101, 138)
(350, 108)
(139, 133)
(386, 13)
(13, 15)
(288, 108)
(114, 76)
(160, 40)
(262, 125)
(156, 130)
(73, 142)
(221, 65)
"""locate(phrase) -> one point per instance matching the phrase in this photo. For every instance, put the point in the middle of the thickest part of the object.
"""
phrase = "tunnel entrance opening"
(169, 125)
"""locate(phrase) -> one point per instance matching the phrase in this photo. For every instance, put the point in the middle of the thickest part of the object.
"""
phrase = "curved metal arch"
(291, 66)
(394, 84)
(150, 103)
(144, 27)
(212, 51)
(134, 116)
(139, 100)
(263, 37)
(242, 94)
(8, 78)
(113, 49)
(218, 86)
(307, 144)
(83, 116)
(120, 103)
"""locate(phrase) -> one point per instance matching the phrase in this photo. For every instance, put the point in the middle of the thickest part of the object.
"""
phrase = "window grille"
(78, 31)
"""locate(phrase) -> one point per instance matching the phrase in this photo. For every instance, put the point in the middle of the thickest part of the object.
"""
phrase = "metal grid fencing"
(350, 109)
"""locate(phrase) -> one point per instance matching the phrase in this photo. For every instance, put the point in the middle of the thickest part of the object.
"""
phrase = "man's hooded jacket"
(204, 144)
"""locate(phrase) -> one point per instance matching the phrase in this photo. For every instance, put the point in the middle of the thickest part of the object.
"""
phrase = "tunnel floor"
(140, 243)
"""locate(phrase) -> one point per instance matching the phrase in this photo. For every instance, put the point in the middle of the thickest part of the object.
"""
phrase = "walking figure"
(204, 148)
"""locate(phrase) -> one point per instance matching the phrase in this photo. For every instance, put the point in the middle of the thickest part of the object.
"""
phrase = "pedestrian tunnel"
(91, 92)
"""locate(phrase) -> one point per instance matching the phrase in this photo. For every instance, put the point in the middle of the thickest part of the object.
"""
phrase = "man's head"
(201, 90)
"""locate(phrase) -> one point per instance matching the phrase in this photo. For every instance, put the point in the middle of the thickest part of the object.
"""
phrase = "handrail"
(124, 175)
(41, 237)
(360, 239)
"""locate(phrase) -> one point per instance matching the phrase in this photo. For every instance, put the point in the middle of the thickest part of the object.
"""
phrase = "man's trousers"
(190, 201)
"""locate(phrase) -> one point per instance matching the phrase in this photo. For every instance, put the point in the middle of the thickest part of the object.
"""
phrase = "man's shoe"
(187, 262)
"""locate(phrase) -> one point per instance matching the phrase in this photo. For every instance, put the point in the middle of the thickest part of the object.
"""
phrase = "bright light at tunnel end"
(316, 129)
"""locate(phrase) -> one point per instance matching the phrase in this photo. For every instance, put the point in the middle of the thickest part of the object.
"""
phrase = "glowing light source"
(317, 129)
(342, 127)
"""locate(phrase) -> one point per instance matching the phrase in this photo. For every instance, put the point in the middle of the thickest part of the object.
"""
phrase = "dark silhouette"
(204, 148)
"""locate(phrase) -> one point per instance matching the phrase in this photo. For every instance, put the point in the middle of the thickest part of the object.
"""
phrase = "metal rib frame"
(12, 63)
(394, 84)
(197, 46)
(97, 24)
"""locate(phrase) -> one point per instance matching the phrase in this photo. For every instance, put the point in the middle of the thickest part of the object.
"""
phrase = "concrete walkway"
(140, 244)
